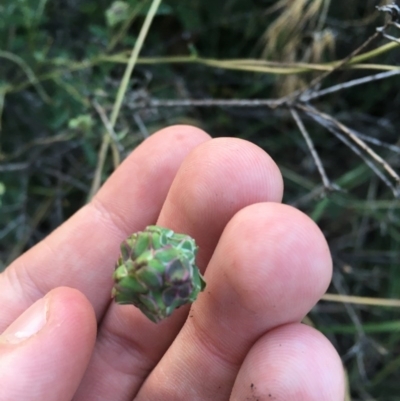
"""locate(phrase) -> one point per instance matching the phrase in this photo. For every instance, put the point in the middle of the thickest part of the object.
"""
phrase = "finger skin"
(271, 266)
(293, 363)
(50, 364)
(82, 252)
(218, 178)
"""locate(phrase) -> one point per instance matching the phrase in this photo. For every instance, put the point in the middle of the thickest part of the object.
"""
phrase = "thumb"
(45, 351)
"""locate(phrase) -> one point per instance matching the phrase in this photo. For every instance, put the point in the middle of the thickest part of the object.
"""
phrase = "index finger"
(81, 253)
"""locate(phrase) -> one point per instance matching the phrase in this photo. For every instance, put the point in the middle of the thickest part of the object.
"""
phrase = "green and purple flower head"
(157, 272)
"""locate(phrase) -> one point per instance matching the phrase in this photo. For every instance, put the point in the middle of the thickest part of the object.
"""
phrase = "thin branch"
(319, 118)
(394, 11)
(14, 166)
(389, 303)
(142, 128)
(348, 132)
(2, 102)
(74, 182)
(32, 79)
(122, 90)
(11, 226)
(327, 184)
(154, 103)
(392, 38)
(315, 82)
(377, 142)
(132, 60)
(367, 161)
(116, 146)
(101, 158)
(349, 84)
(273, 103)
(38, 216)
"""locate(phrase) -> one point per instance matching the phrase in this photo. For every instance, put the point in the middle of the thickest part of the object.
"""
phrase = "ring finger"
(270, 267)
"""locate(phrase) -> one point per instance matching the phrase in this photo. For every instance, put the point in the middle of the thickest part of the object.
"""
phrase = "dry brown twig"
(314, 154)
(394, 11)
(299, 101)
(351, 140)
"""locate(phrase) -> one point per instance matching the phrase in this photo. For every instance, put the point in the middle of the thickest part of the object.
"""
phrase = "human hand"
(266, 265)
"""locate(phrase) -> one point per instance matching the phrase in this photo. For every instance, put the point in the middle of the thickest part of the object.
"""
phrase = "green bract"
(156, 272)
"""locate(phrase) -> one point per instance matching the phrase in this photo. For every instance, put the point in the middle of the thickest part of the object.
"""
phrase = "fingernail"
(28, 324)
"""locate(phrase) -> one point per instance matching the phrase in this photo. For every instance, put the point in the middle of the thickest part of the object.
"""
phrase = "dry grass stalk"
(298, 35)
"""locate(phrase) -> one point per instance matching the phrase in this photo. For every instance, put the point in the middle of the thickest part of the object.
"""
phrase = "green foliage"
(59, 58)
